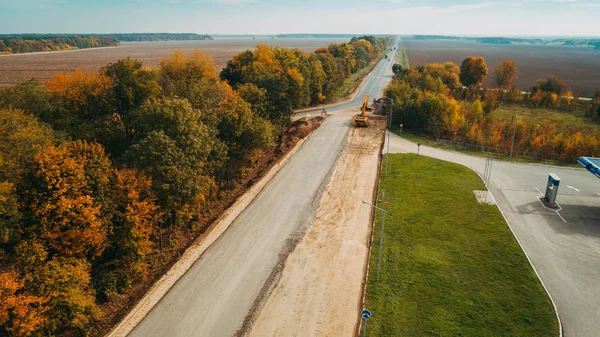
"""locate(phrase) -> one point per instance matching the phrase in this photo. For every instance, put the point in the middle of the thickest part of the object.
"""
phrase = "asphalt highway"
(216, 294)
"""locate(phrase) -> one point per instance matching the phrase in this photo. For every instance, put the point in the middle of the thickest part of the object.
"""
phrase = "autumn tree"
(63, 210)
(194, 78)
(233, 73)
(344, 52)
(135, 222)
(179, 72)
(81, 107)
(317, 79)
(506, 73)
(66, 282)
(21, 313)
(334, 74)
(473, 71)
(363, 53)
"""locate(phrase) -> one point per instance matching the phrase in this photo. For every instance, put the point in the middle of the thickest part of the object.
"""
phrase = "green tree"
(66, 282)
(30, 96)
(473, 71)
(256, 97)
(552, 84)
(21, 136)
(179, 152)
(244, 135)
(131, 86)
(334, 73)
(397, 68)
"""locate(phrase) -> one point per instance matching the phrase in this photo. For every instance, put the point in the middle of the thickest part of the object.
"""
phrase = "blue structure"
(591, 164)
(552, 190)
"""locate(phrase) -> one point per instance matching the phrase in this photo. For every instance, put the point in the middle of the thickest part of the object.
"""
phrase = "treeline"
(104, 174)
(318, 36)
(36, 43)
(289, 78)
(27, 43)
(157, 37)
(587, 43)
(433, 99)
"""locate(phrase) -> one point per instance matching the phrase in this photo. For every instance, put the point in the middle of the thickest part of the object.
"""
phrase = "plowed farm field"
(578, 67)
(18, 67)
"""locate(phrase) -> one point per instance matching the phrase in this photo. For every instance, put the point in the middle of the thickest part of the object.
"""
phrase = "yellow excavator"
(361, 119)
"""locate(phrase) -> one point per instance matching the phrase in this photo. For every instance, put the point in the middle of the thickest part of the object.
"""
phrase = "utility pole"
(380, 239)
(513, 139)
(387, 155)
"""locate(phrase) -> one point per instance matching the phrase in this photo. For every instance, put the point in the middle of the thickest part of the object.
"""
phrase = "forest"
(448, 102)
(576, 42)
(27, 43)
(106, 176)
(17, 44)
(138, 37)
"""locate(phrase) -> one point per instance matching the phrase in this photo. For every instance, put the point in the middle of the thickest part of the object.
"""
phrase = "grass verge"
(401, 57)
(353, 81)
(450, 266)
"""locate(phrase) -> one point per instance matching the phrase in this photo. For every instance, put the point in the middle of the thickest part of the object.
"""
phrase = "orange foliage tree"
(21, 313)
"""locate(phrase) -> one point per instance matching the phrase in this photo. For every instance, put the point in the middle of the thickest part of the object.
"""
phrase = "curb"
(361, 303)
(273, 280)
(560, 328)
(195, 251)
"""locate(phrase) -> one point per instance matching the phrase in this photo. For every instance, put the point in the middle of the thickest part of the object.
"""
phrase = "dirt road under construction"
(321, 285)
(219, 294)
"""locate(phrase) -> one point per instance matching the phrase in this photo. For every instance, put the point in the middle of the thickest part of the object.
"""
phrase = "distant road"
(216, 294)
(564, 247)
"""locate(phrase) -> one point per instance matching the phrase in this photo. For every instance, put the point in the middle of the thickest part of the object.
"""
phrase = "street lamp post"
(387, 155)
(513, 139)
(381, 239)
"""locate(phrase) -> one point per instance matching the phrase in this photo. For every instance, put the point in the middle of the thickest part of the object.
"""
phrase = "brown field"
(578, 67)
(18, 67)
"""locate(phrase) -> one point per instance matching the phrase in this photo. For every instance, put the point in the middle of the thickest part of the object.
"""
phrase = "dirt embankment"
(182, 238)
(320, 289)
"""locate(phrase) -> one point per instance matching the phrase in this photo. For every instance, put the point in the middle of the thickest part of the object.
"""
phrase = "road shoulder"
(320, 289)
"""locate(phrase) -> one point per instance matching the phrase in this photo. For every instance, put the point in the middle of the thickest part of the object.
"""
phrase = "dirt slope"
(321, 286)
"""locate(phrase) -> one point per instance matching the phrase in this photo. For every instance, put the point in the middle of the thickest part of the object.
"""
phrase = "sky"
(443, 17)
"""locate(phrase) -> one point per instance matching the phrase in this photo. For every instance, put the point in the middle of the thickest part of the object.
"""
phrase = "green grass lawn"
(450, 266)
(401, 57)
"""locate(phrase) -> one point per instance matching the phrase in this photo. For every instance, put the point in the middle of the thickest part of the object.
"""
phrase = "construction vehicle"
(361, 119)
